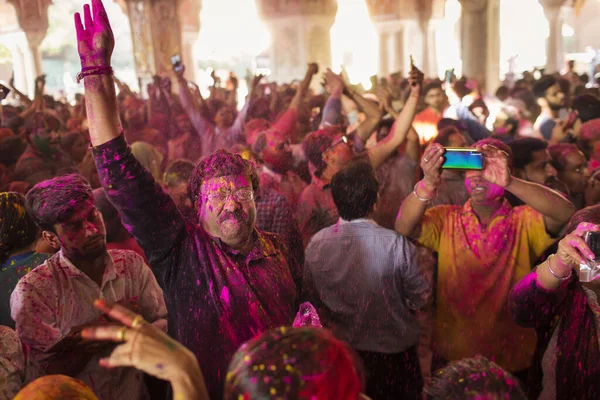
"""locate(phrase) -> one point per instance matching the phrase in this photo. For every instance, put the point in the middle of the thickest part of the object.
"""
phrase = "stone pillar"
(384, 59)
(480, 41)
(300, 32)
(398, 51)
(554, 44)
(33, 20)
(161, 29)
(474, 38)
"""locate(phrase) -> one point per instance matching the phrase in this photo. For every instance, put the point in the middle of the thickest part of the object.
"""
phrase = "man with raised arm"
(224, 281)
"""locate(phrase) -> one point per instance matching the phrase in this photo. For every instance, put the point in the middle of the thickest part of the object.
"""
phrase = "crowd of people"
(303, 245)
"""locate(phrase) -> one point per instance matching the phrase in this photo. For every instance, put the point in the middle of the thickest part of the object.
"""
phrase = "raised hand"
(573, 250)
(496, 169)
(431, 164)
(415, 78)
(334, 82)
(95, 41)
(313, 69)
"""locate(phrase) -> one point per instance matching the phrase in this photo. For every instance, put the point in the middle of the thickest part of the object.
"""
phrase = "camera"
(591, 269)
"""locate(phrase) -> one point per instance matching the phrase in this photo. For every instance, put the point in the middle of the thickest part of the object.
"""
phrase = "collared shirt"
(365, 281)
(56, 296)
(11, 271)
(274, 214)
(15, 366)
(477, 267)
(289, 185)
(316, 209)
(217, 298)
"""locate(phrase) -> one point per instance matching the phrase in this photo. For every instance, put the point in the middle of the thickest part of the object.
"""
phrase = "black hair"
(443, 137)
(471, 378)
(177, 172)
(316, 143)
(11, 149)
(17, 228)
(431, 86)
(523, 149)
(218, 164)
(54, 201)
(502, 91)
(354, 190)
(587, 107)
(543, 84)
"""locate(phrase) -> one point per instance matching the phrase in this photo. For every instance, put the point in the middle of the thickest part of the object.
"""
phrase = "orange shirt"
(425, 123)
(477, 267)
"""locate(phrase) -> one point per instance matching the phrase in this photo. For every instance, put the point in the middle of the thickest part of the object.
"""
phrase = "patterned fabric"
(274, 214)
(11, 271)
(566, 313)
(316, 209)
(477, 267)
(217, 297)
(13, 363)
(365, 281)
(289, 185)
(56, 296)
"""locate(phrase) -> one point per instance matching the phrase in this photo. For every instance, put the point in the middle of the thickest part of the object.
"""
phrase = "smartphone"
(449, 76)
(176, 62)
(593, 241)
(4, 91)
(463, 158)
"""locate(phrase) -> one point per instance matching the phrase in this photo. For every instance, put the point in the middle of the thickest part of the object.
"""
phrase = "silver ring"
(426, 160)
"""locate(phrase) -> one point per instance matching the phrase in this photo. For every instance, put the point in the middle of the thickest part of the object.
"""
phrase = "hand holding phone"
(462, 158)
(448, 76)
(177, 63)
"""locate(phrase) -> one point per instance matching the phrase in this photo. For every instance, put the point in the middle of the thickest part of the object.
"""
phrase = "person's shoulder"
(126, 258)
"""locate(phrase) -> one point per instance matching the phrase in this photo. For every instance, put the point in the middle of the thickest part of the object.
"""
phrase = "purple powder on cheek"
(160, 366)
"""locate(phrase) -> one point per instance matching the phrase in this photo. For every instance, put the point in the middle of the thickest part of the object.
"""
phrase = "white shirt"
(56, 296)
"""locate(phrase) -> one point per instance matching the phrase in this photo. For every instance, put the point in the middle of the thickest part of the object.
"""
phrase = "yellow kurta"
(477, 267)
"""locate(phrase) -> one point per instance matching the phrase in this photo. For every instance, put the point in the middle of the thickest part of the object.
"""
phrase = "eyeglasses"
(344, 139)
(220, 196)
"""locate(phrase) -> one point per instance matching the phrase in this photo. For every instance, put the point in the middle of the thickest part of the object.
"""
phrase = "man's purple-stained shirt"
(217, 298)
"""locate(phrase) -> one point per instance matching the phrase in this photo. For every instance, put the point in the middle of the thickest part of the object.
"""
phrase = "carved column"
(554, 45)
(33, 20)
(384, 59)
(480, 41)
(474, 38)
(161, 29)
(300, 32)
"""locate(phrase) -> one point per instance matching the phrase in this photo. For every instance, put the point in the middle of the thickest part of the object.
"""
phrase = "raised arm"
(192, 108)
(311, 70)
(372, 112)
(403, 124)
(146, 210)
(555, 208)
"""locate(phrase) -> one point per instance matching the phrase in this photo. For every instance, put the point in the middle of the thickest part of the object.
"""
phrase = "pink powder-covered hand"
(496, 169)
(95, 41)
(307, 317)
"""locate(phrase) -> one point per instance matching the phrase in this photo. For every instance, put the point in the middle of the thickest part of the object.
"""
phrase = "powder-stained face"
(45, 141)
(576, 172)
(482, 191)
(227, 210)
(83, 236)
(277, 154)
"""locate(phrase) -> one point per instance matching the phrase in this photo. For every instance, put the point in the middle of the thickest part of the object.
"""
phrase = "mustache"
(237, 214)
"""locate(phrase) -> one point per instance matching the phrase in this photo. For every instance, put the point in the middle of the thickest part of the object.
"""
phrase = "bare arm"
(403, 124)
(304, 85)
(372, 113)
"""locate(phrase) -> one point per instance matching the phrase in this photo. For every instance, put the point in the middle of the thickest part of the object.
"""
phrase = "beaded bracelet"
(554, 274)
(89, 71)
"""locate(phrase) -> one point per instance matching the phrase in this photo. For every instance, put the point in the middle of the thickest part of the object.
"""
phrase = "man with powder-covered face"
(484, 247)
(224, 281)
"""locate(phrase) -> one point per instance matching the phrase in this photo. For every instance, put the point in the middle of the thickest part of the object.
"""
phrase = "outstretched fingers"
(87, 16)
(100, 12)
(79, 29)
(116, 312)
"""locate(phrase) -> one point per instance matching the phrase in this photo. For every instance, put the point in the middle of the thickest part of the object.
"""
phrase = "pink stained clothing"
(128, 244)
(289, 185)
(286, 123)
(316, 209)
(56, 296)
(212, 138)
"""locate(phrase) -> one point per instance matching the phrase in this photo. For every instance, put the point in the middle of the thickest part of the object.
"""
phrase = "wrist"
(426, 187)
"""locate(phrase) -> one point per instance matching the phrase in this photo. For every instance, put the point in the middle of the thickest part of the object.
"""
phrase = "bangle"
(89, 71)
(554, 274)
(421, 199)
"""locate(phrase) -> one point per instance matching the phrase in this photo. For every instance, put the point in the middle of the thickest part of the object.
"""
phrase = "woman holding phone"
(565, 312)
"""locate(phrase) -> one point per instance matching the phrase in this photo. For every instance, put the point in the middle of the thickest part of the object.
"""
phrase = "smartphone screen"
(176, 62)
(4, 91)
(593, 241)
(462, 158)
(449, 75)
